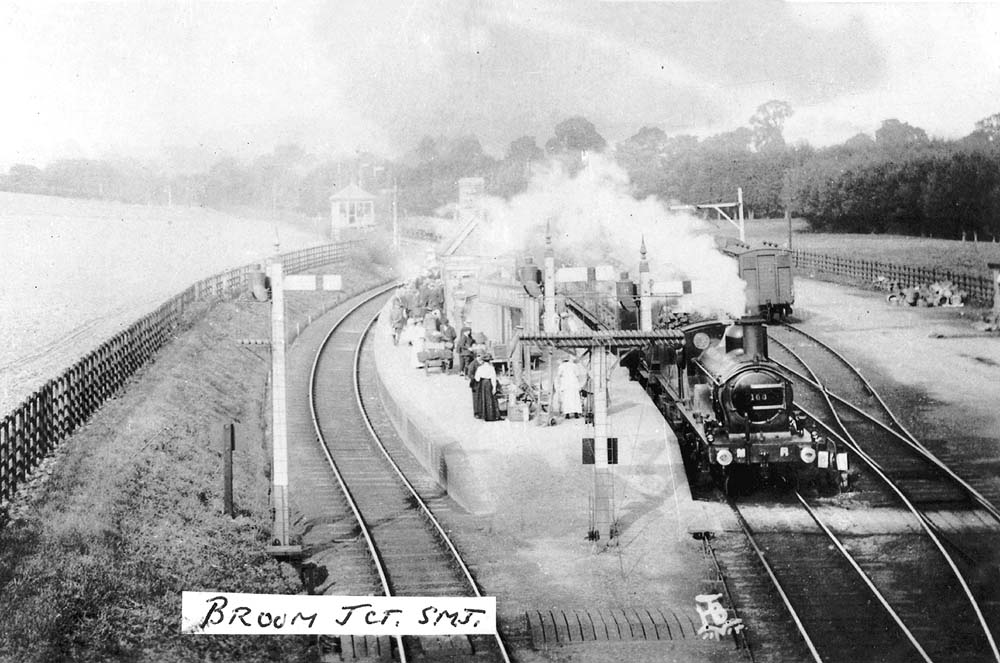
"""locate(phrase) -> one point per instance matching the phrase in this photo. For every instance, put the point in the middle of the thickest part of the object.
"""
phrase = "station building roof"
(352, 192)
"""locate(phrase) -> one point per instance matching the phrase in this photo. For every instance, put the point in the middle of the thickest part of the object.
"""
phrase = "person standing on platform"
(568, 385)
(448, 336)
(397, 318)
(470, 372)
(486, 389)
(435, 296)
(463, 349)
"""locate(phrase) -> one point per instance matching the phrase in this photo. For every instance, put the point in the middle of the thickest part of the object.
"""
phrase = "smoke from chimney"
(595, 220)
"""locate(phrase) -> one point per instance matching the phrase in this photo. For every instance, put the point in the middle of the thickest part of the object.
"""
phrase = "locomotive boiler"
(733, 412)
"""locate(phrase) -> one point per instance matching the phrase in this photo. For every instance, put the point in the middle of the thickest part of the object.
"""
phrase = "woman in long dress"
(470, 369)
(486, 390)
(568, 383)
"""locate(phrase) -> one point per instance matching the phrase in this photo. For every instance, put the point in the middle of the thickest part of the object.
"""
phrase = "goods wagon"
(768, 274)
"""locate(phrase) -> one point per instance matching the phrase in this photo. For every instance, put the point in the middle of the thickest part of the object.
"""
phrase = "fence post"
(228, 445)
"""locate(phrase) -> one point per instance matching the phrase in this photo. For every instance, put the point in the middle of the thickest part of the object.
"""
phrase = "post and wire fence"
(60, 406)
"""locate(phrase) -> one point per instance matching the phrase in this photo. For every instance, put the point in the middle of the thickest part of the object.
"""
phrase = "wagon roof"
(737, 248)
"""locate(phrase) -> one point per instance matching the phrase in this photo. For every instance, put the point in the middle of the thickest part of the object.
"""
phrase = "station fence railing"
(873, 272)
(63, 404)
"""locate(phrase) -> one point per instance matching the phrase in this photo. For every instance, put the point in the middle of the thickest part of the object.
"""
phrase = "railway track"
(837, 609)
(398, 542)
(865, 414)
(902, 471)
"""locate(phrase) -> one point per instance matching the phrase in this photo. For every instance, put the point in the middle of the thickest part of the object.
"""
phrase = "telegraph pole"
(395, 214)
(550, 319)
(739, 211)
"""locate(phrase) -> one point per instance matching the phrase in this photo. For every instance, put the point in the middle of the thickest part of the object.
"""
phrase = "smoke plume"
(595, 220)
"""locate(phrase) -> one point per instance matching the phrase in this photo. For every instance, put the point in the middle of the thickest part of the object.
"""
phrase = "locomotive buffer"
(601, 344)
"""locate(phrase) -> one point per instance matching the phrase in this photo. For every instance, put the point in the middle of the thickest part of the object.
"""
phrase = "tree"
(896, 135)
(227, 183)
(25, 178)
(576, 134)
(524, 150)
(767, 124)
(986, 135)
(990, 128)
(511, 175)
(642, 157)
(464, 156)
(427, 150)
(859, 142)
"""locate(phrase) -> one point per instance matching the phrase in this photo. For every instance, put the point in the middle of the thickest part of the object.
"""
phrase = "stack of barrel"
(939, 293)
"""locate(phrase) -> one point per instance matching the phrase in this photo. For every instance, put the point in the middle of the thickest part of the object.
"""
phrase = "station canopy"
(671, 338)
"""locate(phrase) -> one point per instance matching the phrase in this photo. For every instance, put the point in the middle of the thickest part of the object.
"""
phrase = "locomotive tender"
(733, 413)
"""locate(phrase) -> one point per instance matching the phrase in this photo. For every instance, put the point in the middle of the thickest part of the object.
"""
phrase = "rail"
(902, 434)
(979, 287)
(59, 407)
(923, 520)
(417, 499)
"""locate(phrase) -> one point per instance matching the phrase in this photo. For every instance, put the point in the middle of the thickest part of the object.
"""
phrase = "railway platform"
(480, 463)
(527, 492)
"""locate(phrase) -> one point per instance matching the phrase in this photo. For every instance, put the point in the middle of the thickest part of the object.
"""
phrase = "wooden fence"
(63, 404)
(979, 287)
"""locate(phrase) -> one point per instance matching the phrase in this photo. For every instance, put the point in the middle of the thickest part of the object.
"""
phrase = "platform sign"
(314, 282)
(571, 275)
(670, 288)
(588, 451)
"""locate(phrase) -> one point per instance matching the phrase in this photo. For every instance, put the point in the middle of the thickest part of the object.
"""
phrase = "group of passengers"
(418, 320)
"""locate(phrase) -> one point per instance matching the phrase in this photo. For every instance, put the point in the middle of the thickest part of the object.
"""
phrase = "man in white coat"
(568, 386)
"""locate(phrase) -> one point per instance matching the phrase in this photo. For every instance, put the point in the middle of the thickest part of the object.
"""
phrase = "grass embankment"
(955, 255)
(128, 512)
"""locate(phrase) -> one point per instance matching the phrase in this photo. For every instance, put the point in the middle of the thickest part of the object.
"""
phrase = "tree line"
(898, 180)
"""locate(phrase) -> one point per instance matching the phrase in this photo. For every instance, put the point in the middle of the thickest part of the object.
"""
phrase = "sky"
(136, 78)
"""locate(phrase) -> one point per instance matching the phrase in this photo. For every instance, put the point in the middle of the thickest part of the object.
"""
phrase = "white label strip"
(313, 282)
(571, 274)
(217, 613)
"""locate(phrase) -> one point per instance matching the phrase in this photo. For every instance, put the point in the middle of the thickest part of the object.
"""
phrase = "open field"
(75, 272)
(970, 257)
(127, 513)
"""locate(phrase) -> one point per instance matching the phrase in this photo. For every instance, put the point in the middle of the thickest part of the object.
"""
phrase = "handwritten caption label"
(224, 613)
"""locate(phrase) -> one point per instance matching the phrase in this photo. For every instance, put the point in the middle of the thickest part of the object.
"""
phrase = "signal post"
(279, 283)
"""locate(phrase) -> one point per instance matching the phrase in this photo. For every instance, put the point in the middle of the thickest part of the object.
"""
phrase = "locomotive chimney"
(754, 338)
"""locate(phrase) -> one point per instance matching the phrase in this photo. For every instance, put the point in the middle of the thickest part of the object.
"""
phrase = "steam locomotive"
(733, 413)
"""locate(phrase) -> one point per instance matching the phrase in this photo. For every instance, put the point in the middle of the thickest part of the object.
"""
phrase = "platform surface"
(649, 477)
(530, 489)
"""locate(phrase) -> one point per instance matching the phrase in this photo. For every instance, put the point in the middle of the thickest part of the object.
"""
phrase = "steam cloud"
(595, 220)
